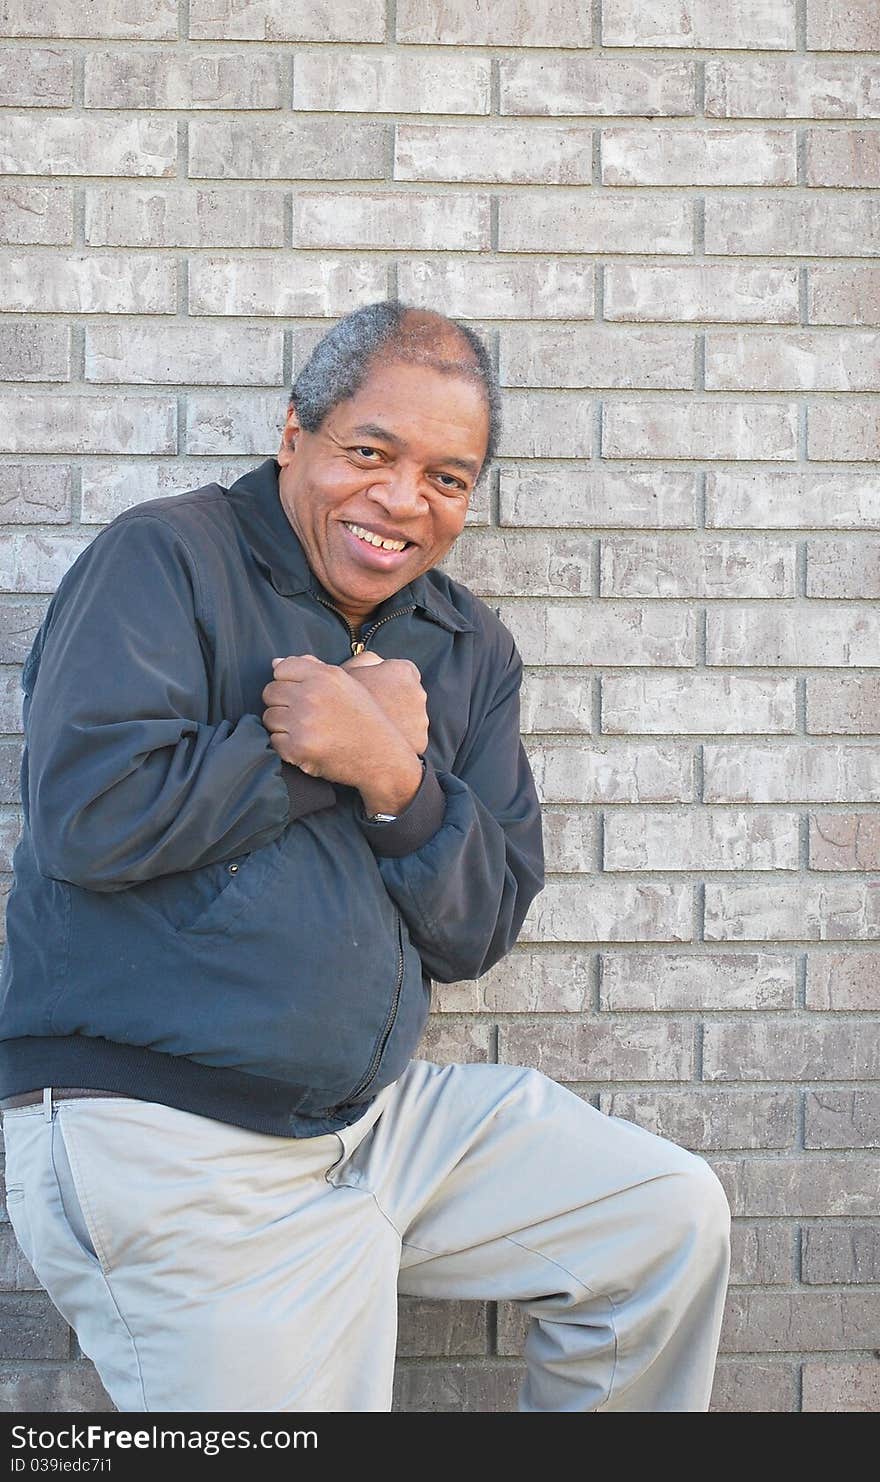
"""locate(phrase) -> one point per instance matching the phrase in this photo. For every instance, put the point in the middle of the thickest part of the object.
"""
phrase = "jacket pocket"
(209, 898)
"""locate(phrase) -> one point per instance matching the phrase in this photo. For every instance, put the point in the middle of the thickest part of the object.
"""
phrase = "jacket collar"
(276, 546)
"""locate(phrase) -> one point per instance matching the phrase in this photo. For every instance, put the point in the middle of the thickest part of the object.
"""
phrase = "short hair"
(341, 360)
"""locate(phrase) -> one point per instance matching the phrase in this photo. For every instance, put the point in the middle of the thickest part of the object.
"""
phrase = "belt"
(59, 1093)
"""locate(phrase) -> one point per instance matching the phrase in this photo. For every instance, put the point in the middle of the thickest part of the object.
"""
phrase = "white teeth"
(367, 535)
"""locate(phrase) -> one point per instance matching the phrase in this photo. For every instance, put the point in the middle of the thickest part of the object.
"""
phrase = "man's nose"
(400, 492)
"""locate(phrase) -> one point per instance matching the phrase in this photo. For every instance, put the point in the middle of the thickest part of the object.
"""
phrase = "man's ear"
(289, 435)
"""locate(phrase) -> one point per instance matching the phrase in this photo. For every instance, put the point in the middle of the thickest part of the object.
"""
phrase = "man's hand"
(324, 721)
(396, 686)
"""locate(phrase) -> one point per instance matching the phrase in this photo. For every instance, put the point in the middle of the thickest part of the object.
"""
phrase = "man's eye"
(448, 482)
(366, 452)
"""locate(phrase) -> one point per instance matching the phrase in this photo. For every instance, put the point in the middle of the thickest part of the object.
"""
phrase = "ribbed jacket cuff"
(306, 794)
(412, 828)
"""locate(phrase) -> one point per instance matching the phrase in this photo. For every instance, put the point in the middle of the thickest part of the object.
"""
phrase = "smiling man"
(273, 786)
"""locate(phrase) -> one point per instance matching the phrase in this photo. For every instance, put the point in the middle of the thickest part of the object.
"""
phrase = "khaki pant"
(209, 1268)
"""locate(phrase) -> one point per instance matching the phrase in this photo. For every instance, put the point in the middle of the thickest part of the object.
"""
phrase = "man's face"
(398, 460)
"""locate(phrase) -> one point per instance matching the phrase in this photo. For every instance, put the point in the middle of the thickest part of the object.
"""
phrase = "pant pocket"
(70, 1200)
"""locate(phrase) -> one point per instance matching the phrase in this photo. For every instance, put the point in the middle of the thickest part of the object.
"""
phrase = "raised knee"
(700, 1203)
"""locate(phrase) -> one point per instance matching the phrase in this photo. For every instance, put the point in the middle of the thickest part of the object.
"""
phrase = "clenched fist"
(320, 718)
(396, 685)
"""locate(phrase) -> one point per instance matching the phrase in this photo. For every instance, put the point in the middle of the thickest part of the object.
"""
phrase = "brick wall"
(660, 213)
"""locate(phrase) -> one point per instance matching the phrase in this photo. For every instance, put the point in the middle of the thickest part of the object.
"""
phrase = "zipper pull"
(356, 647)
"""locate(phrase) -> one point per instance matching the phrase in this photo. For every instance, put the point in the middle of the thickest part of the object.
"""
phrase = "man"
(273, 785)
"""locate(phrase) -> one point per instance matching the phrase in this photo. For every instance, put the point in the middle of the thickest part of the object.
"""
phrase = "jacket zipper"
(389, 1022)
(358, 645)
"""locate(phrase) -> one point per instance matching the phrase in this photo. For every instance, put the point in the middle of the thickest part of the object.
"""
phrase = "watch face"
(383, 818)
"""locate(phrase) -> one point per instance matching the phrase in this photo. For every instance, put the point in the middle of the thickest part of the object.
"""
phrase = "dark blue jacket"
(192, 920)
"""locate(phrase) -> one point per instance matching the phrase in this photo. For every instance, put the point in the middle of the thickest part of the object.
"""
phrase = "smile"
(379, 541)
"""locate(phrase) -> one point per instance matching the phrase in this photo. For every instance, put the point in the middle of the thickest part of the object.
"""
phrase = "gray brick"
(16, 1273)
(845, 431)
(10, 829)
(844, 706)
(751, 1387)
(250, 423)
(802, 87)
(554, 700)
(843, 980)
(555, 222)
(10, 765)
(360, 82)
(840, 1387)
(34, 352)
(771, 225)
(840, 1254)
(593, 909)
(572, 86)
(707, 1121)
(762, 1254)
(845, 1119)
(809, 772)
(278, 20)
(147, 216)
(590, 632)
(796, 635)
(804, 1185)
(793, 911)
(108, 489)
(597, 1051)
(493, 563)
(31, 1328)
(527, 980)
(546, 424)
(697, 980)
(698, 156)
(505, 23)
(93, 424)
(35, 493)
(88, 283)
(787, 500)
(72, 1388)
(87, 146)
(680, 566)
(699, 23)
(36, 562)
(32, 214)
(588, 497)
(10, 721)
(697, 703)
(313, 287)
(305, 149)
(793, 1050)
(500, 288)
(409, 221)
(155, 79)
(716, 292)
(38, 77)
(700, 839)
(596, 356)
(793, 360)
(456, 1388)
(699, 429)
(464, 1043)
(619, 773)
(433, 1328)
(512, 154)
(792, 1322)
(843, 293)
(19, 622)
(133, 20)
(845, 841)
(173, 354)
(569, 840)
(843, 25)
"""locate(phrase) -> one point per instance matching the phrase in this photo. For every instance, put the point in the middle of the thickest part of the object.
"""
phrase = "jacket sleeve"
(125, 777)
(465, 859)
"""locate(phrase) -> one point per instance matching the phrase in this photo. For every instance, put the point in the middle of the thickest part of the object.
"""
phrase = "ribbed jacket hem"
(255, 1102)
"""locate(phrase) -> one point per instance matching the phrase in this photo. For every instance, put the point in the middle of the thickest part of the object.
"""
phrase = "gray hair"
(339, 363)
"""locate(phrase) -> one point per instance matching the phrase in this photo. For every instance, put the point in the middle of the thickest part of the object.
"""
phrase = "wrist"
(393, 789)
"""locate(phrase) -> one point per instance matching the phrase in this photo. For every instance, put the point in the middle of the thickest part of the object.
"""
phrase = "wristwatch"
(381, 818)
